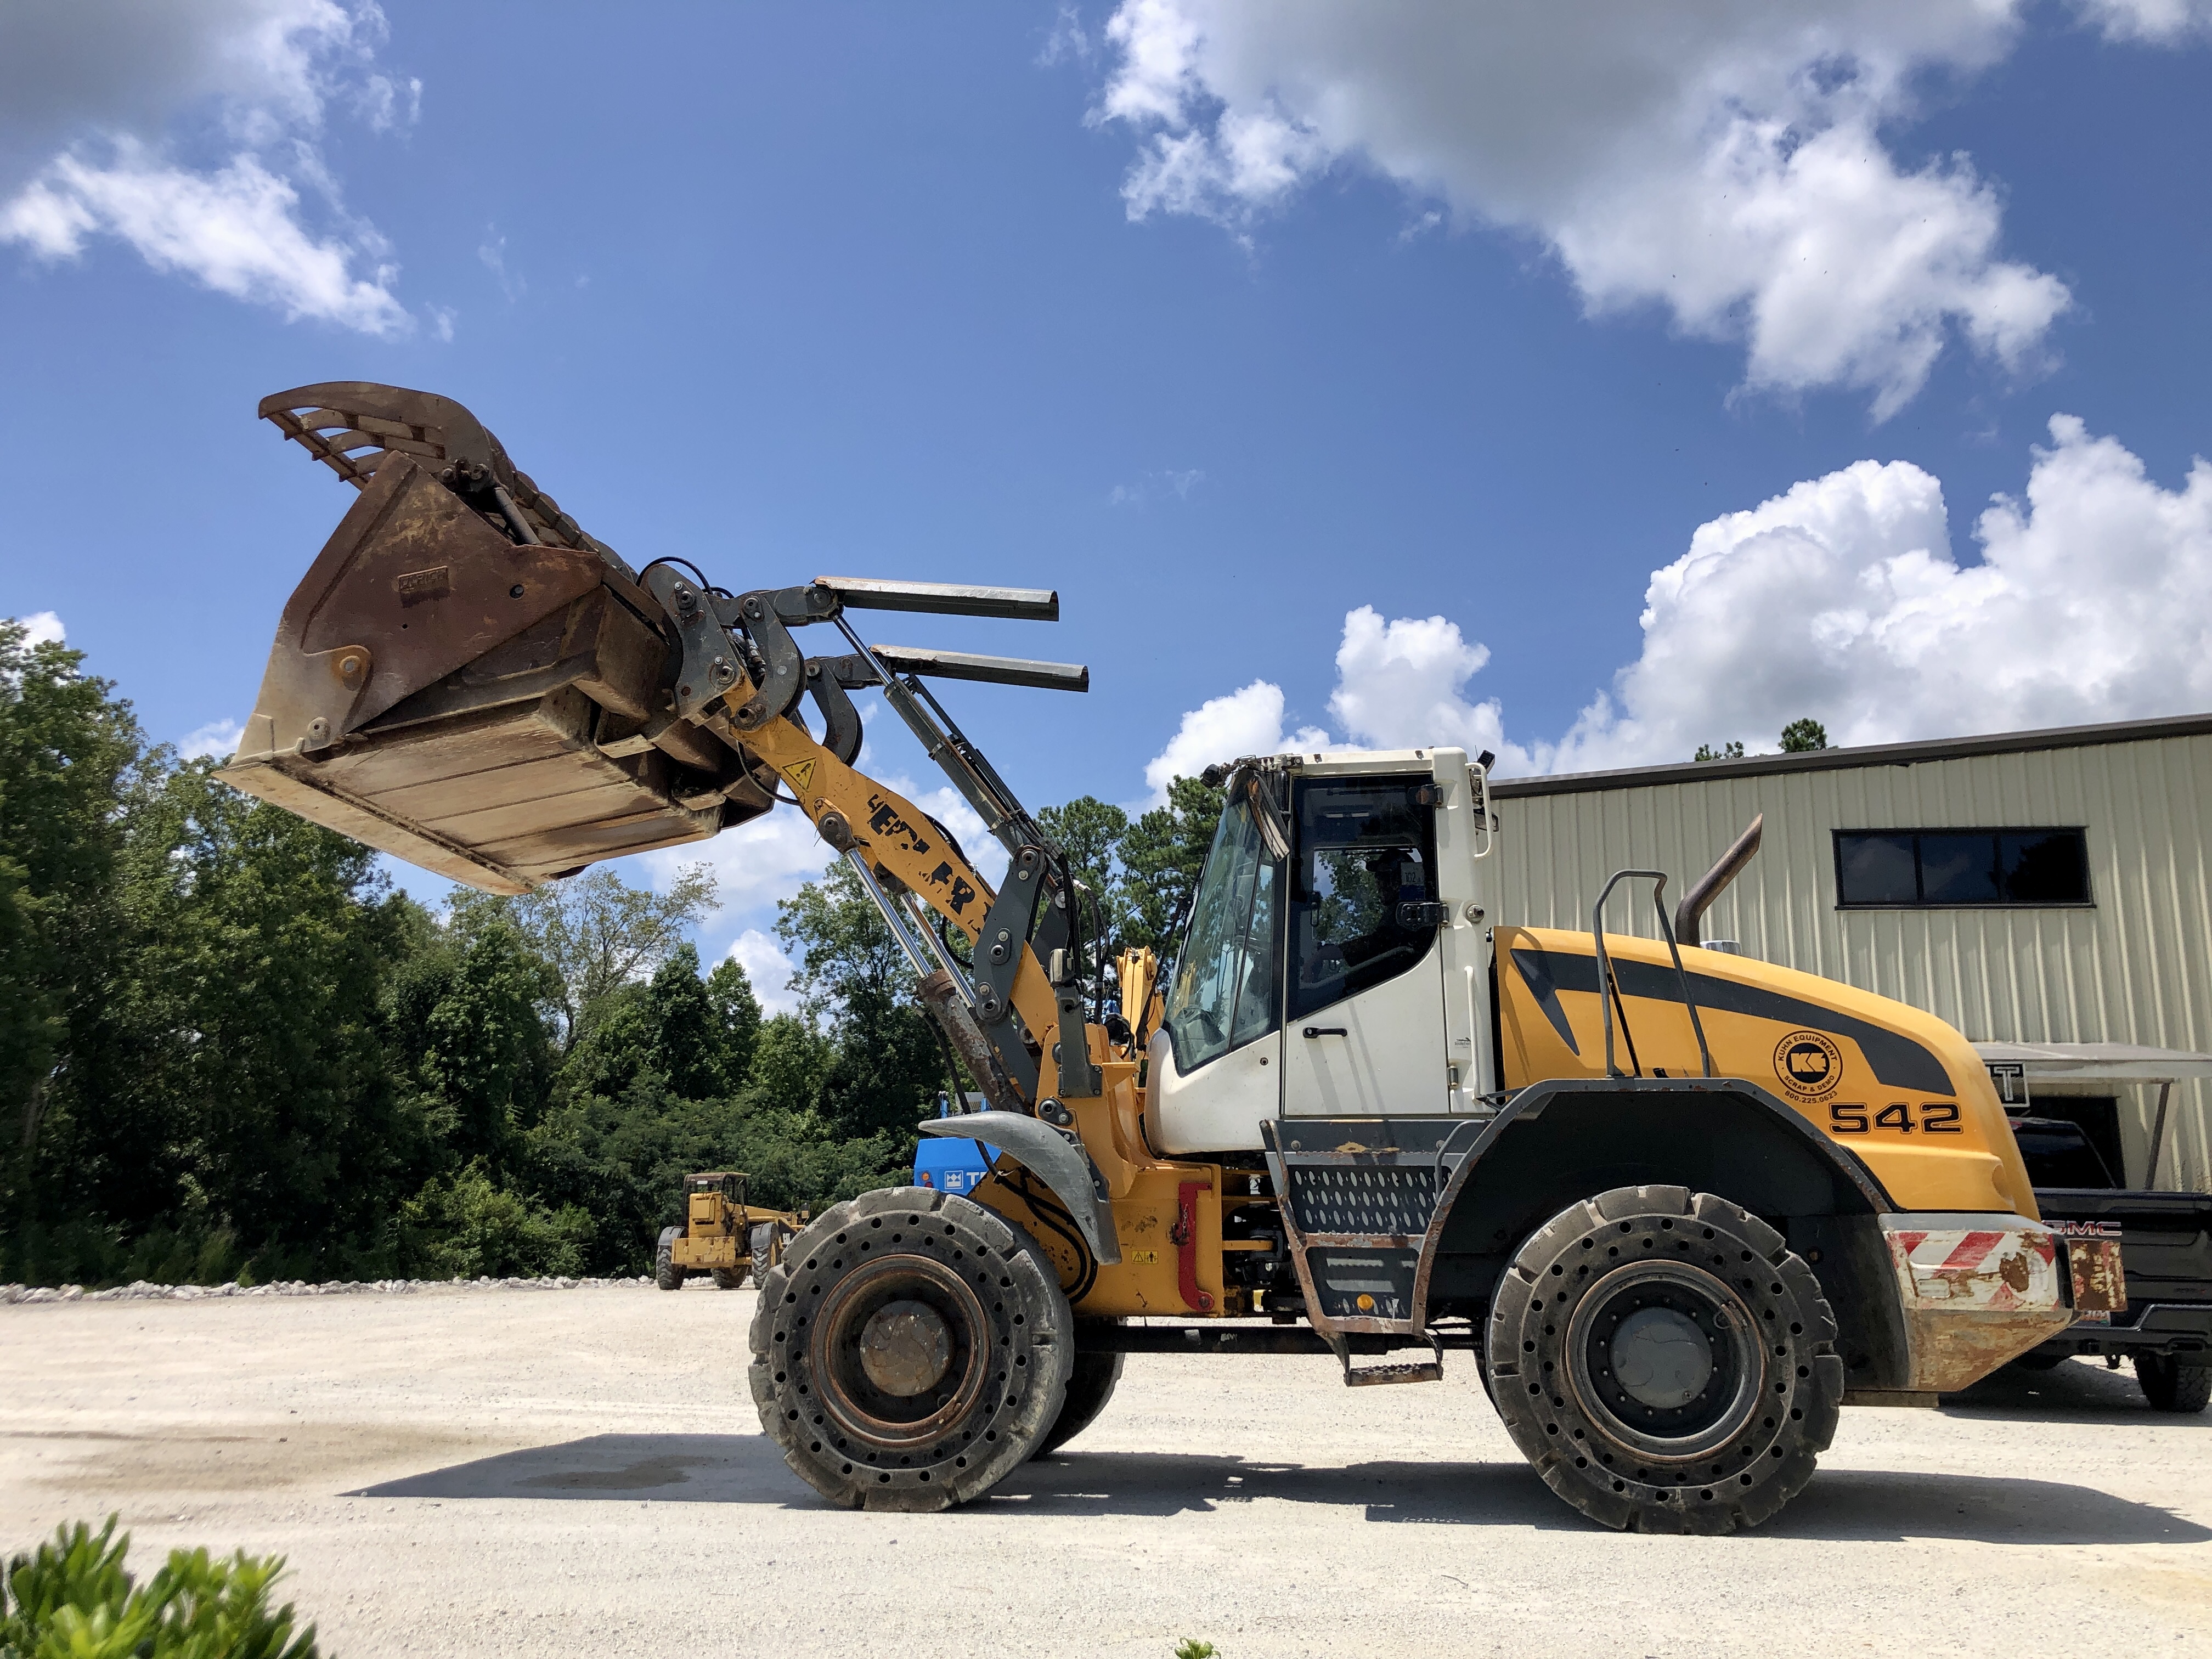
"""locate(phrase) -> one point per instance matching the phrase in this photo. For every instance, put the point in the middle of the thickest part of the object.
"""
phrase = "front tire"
(909, 1351)
(1665, 1361)
(2172, 1383)
(666, 1273)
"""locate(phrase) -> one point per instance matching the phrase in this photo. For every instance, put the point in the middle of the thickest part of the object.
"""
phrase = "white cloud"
(1840, 600)
(768, 968)
(43, 628)
(1246, 722)
(1156, 486)
(1722, 159)
(491, 253)
(1398, 685)
(216, 737)
(90, 91)
(235, 231)
(2160, 21)
(1067, 42)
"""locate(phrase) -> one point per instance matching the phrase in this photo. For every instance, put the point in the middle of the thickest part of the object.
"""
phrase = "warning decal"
(801, 773)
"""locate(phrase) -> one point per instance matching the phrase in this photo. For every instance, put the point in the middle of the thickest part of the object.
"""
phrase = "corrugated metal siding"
(2135, 967)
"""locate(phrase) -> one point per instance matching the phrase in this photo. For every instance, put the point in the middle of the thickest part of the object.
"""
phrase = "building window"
(1886, 869)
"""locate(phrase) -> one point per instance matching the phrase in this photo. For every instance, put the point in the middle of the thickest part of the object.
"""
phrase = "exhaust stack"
(1690, 914)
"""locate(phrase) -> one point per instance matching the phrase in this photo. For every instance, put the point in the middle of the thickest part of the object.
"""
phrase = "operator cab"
(1328, 969)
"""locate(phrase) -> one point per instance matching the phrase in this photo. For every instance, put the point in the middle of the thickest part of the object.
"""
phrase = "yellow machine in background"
(1676, 1207)
(720, 1234)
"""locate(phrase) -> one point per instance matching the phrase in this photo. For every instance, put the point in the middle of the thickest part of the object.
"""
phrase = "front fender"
(1056, 1157)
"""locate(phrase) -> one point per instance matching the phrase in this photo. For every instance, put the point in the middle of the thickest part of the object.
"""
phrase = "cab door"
(1364, 992)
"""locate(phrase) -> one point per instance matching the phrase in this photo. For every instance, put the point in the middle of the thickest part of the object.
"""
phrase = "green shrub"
(73, 1598)
(467, 1227)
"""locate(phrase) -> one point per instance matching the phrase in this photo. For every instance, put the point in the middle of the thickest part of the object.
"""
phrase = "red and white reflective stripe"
(2001, 1268)
(1974, 1249)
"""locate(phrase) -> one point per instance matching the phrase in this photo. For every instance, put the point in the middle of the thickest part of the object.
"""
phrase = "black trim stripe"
(1897, 1060)
(1536, 975)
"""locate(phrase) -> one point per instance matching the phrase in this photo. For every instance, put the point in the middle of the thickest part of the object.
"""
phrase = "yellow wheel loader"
(1677, 1208)
(722, 1234)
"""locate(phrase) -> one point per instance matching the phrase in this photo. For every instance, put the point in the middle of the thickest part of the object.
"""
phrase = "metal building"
(2048, 893)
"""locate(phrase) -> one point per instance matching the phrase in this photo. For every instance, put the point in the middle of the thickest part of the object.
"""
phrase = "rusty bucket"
(464, 678)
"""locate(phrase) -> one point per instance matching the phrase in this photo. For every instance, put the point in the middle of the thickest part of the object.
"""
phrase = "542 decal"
(1934, 1117)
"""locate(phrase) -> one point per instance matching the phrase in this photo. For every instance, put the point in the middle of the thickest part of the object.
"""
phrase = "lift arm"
(740, 677)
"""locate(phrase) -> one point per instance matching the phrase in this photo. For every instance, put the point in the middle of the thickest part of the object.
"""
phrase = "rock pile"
(143, 1291)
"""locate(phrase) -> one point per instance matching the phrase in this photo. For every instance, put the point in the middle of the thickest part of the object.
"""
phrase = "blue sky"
(1227, 320)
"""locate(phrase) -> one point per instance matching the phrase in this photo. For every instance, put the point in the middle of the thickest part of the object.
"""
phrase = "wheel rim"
(1665, 1360)
(900, 1352)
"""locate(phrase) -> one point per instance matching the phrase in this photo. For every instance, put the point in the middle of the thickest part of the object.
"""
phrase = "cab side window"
(1364, 848)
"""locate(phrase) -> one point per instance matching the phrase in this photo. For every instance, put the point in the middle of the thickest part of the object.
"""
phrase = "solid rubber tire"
(761, 1244)
(1091, 1384)
(1031, 1332)
(666, 1273)
(1739, 1484)
(2172, 1383)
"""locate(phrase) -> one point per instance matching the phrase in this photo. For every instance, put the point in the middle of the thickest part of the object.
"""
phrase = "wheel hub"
(906, 1348)
(1665, 1360)
(1660, 1358)
(899, 1351)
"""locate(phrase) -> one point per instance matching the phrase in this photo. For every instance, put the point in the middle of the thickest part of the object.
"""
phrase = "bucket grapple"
(464, 678)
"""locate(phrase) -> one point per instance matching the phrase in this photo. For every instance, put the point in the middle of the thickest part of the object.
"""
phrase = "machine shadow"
(2074, 1391)
(1841, 1504)
(677, 1468)
(1884, 1506)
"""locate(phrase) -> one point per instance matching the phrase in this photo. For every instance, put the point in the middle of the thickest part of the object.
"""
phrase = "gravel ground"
(482, 1470)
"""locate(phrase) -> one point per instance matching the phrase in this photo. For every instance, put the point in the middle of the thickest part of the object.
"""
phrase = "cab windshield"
(1224, 986)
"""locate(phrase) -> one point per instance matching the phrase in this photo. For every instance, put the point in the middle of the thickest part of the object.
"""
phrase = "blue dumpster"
(948, 1163)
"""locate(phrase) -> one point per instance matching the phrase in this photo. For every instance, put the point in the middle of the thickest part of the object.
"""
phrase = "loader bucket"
(465, 679)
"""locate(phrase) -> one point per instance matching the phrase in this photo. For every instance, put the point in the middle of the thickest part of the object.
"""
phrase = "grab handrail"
(1607, 990)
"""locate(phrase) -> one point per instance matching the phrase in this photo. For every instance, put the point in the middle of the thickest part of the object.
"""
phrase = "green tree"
(486, 1064)
(789, 1065)
(736, 1020)
(1803, 737)
(238, 1076)
(1163, 851)
(687, 1045)
(596, 932)
(72, 761)
(1091, 832)
(888, 1063)
(1731, 749)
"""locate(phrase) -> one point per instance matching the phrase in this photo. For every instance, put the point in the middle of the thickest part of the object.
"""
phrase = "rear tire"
(1091, 1384)
(1665, 1361)
(665, 1272)
(911, 1351)
(2172, 1383)
(728, 1279)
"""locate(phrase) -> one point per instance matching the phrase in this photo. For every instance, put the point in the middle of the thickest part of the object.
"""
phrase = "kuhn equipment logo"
(1809, 1065)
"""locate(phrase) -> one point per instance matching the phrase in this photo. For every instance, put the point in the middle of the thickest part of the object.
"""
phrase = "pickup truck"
(2166, 1253)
